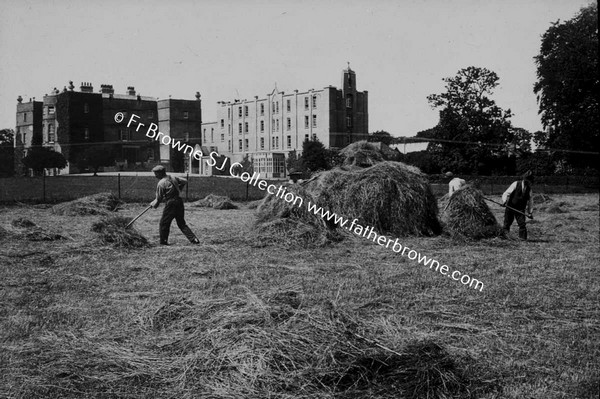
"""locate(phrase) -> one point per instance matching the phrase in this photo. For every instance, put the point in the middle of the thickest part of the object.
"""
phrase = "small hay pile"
(30, 231)
(112, 231)
(467, 215)
(281, 222)
(97, 204)
(271, 347)
(361, 154)
(216, 202)
(22, 222)
(541, 198)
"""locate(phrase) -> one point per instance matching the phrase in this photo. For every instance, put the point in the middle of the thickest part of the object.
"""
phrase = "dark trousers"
(174, 210)
(509, 216)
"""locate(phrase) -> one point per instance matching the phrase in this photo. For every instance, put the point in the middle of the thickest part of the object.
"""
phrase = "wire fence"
(142, 188)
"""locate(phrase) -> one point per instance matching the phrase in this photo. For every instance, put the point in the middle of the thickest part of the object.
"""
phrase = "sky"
(236, 49)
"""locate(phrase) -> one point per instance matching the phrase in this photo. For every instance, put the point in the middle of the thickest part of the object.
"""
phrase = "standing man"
(454, 184)
(518, 196)
(168, 191)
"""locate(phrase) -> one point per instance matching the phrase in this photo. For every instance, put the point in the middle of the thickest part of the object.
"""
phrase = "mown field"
(235, 317)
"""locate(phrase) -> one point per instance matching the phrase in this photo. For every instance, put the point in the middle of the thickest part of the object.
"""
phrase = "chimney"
(107, 89)
(86, 87)
(130, 90)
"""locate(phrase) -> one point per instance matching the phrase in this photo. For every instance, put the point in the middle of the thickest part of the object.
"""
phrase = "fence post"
(44, 186)
(119, 184)
(187, 186)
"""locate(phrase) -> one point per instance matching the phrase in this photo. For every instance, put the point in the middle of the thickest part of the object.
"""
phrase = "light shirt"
(455, 184)
(168, 188)
(512, 188)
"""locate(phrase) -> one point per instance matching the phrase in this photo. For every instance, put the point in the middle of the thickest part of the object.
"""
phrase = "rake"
(138, 216)
(530, 216)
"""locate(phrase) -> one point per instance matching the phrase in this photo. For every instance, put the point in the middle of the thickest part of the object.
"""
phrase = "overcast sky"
(236, 49)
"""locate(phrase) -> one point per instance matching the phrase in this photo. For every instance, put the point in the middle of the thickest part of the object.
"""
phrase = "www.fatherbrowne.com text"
(280, 192)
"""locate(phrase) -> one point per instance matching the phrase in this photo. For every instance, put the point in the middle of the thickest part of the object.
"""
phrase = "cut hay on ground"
(361, 154)
(28, 230)
(22, 222)
(216, 202)
(97, 204)
(112, 231)
(468, 215)
(271, 347)
(5, 234)
(541, 198)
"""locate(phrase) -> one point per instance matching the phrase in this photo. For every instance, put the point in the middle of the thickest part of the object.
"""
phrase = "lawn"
(238, 318)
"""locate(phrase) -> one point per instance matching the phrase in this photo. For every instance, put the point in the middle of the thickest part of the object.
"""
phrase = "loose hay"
(22, 222)
(97, 204)
(216, 202)
(361, 154)
(468, 215)
(5, 234)
(112, 231)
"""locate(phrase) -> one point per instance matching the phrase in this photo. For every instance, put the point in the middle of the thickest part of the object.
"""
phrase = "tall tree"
(314, 156)
(568, 87)
(471, 119)
(7, 152)
(96, 157)
(40, 158)
(381, 136)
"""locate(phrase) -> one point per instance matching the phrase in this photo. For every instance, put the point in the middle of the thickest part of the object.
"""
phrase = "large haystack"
(361, 154)
(467, 215)
(392, 197)
(97, 204)
(112, 231)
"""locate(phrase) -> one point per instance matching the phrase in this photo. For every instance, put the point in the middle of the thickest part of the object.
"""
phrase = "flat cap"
(158, 168)
(448, 174)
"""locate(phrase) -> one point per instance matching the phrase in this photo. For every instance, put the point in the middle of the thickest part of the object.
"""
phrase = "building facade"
(73, 122)
(267, 129)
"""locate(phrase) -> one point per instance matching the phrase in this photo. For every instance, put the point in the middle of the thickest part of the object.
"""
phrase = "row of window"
(243, 110)
(243, 145)
(244, 128)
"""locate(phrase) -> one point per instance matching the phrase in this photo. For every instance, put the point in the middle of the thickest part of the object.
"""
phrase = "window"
(262, 126)
(289, 141)
(86, 108)
(289, 105)
(151, 115)
(240, 144)
(305, 103)
(246, 145)
(124, 134)
(314, 101)
(24, 138)
(51, 133)
(276, 142)
(240, 111)
(222, 137)
(187, 136)
(239, 128)
(277, 107)
(306, 137)
(314, 120)
(349, 101)
(50, 110)
(212, 135)
(86, 134)
(262, 109)
(289, 124)
(204, 134)
(186, 115)
(24, 116)
(277, 124)
(228, 113)
(273, 107)
(273, 125)
(245, 110)
(348, 121)
(228, 145)
(222, 123)
(273, 142)
(262, 143)
(306, 121)
(246, 127)
(314, 136)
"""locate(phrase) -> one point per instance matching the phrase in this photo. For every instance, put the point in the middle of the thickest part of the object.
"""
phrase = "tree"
(314, 156)
(7, 152)
(381, 136)
(568, 87)
(472, 133)
(40, 158)
(246, 166)
(95, 158)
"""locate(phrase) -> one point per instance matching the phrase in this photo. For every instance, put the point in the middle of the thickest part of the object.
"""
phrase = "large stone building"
(267, 129)
(72, 121)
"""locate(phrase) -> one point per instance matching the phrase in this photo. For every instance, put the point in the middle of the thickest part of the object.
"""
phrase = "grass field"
(235, 318)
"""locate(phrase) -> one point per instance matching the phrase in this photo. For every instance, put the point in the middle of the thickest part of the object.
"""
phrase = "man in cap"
(518, 196)
(168, 191)
(454, 184)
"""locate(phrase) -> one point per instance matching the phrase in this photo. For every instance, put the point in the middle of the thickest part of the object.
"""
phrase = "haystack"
(216, 202)
(468, 215)
(97, 204)
(361, 154)
(392, 197)
(112, 231)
